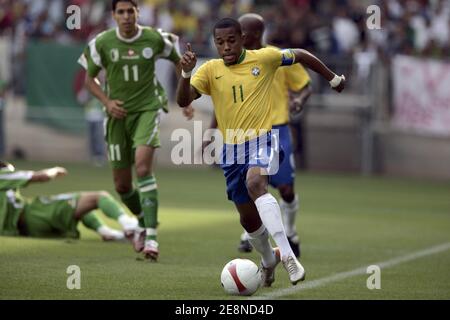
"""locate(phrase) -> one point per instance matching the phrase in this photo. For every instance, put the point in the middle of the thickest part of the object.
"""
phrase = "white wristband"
(186, 74)
(336, 81)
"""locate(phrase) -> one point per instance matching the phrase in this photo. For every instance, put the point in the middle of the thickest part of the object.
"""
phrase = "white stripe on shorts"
(156, 128)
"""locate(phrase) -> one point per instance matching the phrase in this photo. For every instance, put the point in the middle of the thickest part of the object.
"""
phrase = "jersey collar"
(240, 59)
(242, 56)
(138, 34)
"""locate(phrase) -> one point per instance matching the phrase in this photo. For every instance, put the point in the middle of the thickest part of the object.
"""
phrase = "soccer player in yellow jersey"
(239, 84)
(293, 79)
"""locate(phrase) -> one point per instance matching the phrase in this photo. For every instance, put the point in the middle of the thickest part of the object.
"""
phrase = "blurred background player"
(95, 118)
(2, 107)
(134, 101)
(239, 85)
(58, 215)
(294, 81)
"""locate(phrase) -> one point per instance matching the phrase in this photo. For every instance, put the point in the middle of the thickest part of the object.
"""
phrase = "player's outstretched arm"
(188, 111)
(185, 92)
(48, 174)
(310, 61)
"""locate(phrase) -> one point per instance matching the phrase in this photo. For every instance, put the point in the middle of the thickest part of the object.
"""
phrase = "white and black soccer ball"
(241, 277)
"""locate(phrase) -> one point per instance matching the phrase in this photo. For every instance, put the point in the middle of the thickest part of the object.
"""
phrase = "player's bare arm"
(48, 174)
(178, 69)
(310, 61)
(113, 107)
(298, 99)
(185, 92)
(188, 111)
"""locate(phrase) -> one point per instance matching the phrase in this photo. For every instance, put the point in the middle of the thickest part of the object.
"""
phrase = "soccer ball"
(241, 277)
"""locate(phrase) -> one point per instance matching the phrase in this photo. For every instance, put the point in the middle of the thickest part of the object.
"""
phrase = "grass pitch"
(345, 223)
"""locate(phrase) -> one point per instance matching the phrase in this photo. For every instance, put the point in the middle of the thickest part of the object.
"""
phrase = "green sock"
(91, 221)
(149, 203)
(132, 201)
(110, 207)
(141, 221)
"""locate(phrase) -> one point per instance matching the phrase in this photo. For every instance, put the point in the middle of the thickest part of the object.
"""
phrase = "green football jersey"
(11, 202)
(130, 65)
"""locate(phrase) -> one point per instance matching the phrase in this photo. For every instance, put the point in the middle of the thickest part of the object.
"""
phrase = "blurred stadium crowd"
(331, 27)
(335, 30)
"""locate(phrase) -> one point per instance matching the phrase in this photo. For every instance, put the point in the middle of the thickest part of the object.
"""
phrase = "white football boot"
(151, 250)
(294, 268)
(268, 273)
(139, 239)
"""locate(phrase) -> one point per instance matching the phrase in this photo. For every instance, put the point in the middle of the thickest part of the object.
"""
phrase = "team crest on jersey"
(256, 71)
(114, 55)
(147, 53)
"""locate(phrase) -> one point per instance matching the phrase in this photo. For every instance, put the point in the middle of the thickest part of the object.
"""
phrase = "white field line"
(301, 286)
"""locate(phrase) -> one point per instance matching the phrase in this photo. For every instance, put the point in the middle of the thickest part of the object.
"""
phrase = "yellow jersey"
(241, 93)
(293, 78)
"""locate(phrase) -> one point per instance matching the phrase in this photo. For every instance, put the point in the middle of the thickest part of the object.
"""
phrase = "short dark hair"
(114, 3)
(228, 23)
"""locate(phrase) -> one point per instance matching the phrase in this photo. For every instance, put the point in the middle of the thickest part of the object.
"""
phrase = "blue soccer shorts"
(236, 159)
(286, 171)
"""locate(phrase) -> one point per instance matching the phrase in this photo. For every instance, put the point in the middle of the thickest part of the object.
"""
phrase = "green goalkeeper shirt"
(12, 203)
(130, 66)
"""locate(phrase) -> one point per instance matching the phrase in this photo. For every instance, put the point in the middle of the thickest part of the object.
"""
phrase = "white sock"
(127, 222)
(103, 230)
(245, 236)
(151, 232)
(269, 212)
(289, 212)
(106, 231)
(260, 241)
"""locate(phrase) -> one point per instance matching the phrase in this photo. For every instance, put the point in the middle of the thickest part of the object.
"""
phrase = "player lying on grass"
(239, 84)
(55, 216)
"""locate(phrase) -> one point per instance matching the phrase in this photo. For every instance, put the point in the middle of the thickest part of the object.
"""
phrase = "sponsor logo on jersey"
(131, 55)
(114, 55)
(147, 53)
(256, 71)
